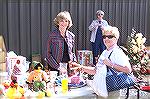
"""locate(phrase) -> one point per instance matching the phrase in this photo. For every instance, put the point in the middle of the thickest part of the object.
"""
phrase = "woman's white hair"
(63, 15)
(113, 30)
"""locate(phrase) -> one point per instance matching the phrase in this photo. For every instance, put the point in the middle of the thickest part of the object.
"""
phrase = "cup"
(63, 68)
(53, 75)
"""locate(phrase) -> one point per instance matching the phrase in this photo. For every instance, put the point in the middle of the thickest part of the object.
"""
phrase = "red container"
(145, 88)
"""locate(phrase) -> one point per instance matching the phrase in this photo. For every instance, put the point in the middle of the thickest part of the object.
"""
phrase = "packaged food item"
(85, 57)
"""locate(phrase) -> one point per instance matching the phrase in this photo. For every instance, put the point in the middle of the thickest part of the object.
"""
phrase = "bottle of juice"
(64, 82)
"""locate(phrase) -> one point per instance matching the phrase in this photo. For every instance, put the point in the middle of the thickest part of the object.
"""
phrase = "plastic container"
(64, 85)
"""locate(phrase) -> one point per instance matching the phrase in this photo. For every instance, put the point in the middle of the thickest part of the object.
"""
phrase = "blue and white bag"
(116, 81)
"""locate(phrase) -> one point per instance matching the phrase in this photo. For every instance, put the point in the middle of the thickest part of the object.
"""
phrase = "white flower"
(142, 61)
(139, 41)
(139, 35)
(135, 48)
(133, 41)
(134, 58)
(144, 40)
(143, 47)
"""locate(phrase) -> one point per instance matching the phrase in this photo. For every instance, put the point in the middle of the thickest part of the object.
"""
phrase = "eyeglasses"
(108, 36)
(100, 14)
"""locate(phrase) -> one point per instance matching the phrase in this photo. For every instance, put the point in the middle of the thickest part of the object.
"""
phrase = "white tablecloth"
(85, 92)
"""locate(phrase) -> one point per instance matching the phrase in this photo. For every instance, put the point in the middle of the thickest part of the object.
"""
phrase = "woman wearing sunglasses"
(96, 35)
(112, 57)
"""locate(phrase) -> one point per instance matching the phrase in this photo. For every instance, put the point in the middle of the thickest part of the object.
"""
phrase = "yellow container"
(64, 85)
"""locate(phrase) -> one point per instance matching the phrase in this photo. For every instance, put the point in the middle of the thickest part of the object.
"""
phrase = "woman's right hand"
(75, 64)
(76, 67)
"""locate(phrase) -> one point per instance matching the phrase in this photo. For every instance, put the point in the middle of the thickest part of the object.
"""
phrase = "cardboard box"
(85, 57)
(3, 77)
(16, 65)
(2, 44)
(3, 67)
(2, 50)
(2, 56)
(36, 57)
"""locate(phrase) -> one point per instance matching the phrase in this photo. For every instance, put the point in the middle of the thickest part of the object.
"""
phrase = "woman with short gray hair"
(96, 35)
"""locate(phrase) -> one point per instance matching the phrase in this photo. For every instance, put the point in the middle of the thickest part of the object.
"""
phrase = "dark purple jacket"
(55, 47)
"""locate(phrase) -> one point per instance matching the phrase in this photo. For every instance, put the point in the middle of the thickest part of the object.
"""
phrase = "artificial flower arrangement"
(137, 53)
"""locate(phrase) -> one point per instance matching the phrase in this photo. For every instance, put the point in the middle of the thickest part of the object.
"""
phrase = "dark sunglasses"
(108, 36)
(99, 14)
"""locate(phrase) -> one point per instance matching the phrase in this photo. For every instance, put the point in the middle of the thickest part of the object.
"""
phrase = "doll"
(37, 78)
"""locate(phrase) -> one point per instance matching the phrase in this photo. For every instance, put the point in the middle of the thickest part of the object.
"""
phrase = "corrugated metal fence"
(25, 23)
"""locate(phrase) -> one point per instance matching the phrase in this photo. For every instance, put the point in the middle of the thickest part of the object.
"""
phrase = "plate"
(73, 86)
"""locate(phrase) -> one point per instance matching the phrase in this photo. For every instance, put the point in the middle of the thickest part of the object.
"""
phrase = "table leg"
(127, 94)
(138, 93)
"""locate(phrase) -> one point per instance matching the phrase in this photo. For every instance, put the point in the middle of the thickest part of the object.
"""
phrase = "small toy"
(15, 91)
(6, 84)
(37, 78)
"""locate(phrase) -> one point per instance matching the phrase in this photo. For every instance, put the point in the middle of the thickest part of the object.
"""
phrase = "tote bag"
(116, 81)
(98, 84)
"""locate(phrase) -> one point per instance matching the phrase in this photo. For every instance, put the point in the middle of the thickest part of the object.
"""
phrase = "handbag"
(116, 81)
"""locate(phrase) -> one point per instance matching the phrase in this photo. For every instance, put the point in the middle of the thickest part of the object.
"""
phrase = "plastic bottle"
(64, 85)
